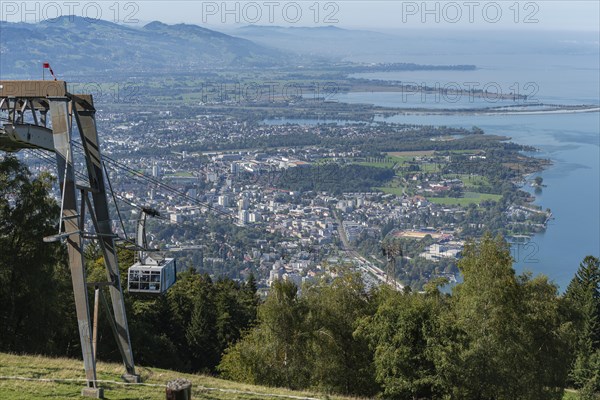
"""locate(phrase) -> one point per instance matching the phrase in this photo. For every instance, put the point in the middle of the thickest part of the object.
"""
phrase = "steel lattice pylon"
(392, 249)
(40, 115)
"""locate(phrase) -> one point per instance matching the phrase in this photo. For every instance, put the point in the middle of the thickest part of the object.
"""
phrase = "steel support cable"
(114, 200)
(50, 161)
(170, 189)
(158, 183)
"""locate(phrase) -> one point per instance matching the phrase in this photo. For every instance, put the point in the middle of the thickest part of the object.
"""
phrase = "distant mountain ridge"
(73, 44)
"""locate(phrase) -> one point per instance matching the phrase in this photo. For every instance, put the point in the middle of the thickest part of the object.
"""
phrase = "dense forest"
(497, 335)
(334, 178)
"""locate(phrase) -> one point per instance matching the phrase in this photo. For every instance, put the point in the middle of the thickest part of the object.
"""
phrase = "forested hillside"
(76, 44)
(497, 335)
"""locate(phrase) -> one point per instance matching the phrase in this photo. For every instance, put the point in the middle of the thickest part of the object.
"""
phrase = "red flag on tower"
(47, 65)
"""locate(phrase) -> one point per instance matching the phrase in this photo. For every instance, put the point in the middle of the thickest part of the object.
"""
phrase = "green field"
(468, 198)
(180, 174)
(388, 162)
(411, 154)
(469, 180)
(429, 167)
(466, 151)
(393, 190)
(62, 382)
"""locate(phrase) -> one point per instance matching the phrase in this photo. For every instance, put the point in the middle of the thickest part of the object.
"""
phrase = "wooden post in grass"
(179, 389)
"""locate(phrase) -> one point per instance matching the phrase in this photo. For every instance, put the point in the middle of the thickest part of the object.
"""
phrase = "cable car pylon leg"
(61, 128)
(85, 117)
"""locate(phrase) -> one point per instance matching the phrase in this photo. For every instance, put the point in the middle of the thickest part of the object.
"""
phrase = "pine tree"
(583, 297)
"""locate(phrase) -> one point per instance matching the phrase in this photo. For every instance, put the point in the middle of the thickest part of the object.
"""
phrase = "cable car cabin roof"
(153, 263)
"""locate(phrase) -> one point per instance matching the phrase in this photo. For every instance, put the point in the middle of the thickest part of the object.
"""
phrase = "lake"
(571, 141)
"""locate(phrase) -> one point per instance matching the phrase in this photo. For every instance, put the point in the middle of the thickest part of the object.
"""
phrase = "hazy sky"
(375, 15)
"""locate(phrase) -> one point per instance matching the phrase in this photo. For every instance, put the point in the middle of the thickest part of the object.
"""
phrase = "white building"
(156, 170)
(255, 217)
(243, 203)
(243, 216)
(223, 200)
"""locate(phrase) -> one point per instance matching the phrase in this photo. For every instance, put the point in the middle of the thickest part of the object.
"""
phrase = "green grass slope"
(58, 378)
(38, 377)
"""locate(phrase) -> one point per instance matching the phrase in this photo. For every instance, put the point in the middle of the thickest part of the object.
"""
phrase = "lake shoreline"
(489, 112)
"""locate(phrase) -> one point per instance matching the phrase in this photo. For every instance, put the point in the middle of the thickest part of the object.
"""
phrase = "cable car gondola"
(152, 273)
